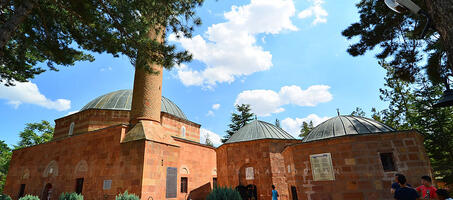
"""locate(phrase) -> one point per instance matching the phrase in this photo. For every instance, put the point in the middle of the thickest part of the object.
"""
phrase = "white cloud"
(266, 102)
(28, 92)
(315, 10)
(229, 49)
(310, 97)
(214, 137)
(262, 102)
(210, 113)
(216, 106)
(293, 126)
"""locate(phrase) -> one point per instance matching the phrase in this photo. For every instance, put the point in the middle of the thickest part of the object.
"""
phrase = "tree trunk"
(441, 12)
(10, 26)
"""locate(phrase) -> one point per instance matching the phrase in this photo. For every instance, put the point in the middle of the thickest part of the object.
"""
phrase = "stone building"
(345, 157)
(252, 157)
(122, 141)
(90, 154)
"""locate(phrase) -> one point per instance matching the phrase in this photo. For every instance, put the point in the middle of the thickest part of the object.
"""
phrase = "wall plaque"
(172, 179)
(249, 175)
(321, 167)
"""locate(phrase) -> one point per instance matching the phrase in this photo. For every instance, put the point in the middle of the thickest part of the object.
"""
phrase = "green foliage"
(70, 196)
(358, 112)
(306, 128)
(29, 197)
(5, 197)
(5, 157)
(397, 38)
(126, 196)
(238, 120)
(63, 32)
(224, 193)
(411, 107)
(35, 133)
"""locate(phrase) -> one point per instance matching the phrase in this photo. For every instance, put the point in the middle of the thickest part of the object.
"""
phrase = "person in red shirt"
(426, 190)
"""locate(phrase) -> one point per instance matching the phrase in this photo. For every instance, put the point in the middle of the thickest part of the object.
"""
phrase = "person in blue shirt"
(405, 192)
(274, 193)
(396, 185)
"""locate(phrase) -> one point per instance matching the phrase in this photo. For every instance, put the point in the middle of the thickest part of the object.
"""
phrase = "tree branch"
(10, 27)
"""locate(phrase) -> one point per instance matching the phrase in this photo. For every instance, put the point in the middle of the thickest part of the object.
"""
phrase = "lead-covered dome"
(346, 125)
(256, 130)
(122, 100)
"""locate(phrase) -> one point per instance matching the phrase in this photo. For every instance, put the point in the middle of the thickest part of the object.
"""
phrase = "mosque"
(140, 142)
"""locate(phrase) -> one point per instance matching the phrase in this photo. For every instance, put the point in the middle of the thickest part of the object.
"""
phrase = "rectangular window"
(184, 183)
(172, 183)
(79, 185)
(214, 182)
(22, 190)
(387, 162)
(107, 185)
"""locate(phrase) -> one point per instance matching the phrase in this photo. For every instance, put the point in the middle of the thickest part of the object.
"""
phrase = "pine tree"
(238, 120)
(397, 38)
(411, 107)
(63, 32)
(305, 129)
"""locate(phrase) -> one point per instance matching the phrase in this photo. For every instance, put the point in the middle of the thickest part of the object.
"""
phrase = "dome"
(346, 125)
(122, 100)
(256, 130)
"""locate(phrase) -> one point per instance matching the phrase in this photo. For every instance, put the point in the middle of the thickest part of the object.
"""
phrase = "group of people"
(401, 190)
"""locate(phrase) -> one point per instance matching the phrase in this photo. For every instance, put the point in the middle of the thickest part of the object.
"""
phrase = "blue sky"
(286, 58)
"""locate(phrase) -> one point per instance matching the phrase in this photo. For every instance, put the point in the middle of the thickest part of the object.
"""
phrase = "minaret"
(146, 103)
(147, 93)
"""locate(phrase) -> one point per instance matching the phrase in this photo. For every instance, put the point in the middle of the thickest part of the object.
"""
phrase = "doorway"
(248, 192)
(22, 190)
(47, 193)
(294, 193)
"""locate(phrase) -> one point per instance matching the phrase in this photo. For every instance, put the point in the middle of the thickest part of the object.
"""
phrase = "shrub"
(224, 193)
(29, 197)
(5, 197)
(126, 196)
(70, 196)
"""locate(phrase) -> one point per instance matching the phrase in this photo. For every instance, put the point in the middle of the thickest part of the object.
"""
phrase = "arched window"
(51, 169)
(183, 132)
(71, 128)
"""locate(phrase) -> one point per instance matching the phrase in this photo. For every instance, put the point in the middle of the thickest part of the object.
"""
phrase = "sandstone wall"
(357, 165)
(265, 158)
(95, 156)
(94, 119)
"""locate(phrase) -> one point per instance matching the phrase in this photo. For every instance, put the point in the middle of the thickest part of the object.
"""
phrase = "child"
(274, 193)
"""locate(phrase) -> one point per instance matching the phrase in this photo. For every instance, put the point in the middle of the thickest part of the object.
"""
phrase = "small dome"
(122, 100)
(256, 130)
(346, 125)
